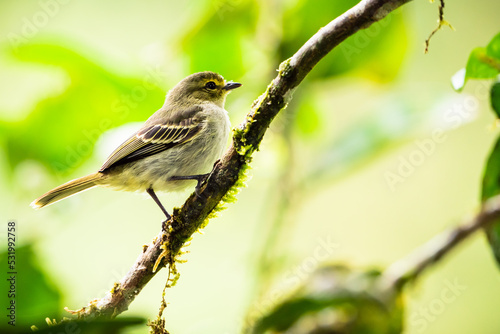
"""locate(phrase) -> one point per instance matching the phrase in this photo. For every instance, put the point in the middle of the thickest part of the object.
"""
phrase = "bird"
(179, 143)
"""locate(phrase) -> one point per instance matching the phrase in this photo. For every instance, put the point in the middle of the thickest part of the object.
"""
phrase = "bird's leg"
(157, 201)
(200, 178)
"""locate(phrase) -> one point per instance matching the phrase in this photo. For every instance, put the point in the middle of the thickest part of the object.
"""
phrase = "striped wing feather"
(152, 140)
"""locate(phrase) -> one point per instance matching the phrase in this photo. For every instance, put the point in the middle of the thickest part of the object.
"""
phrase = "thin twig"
(247, 137)
(411, 267)
(441, 22)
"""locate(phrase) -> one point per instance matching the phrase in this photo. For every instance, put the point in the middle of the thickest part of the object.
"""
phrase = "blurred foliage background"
(351, 172)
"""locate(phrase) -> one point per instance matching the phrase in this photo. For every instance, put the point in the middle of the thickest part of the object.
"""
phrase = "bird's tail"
(66, 190)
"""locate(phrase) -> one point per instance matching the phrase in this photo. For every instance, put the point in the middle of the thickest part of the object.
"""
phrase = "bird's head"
(201, 87)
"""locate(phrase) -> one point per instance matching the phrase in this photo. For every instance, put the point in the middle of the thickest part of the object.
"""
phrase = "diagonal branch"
(411, 267)
(227, 172)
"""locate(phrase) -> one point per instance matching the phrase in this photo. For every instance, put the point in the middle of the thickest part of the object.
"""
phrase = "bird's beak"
(231, 85)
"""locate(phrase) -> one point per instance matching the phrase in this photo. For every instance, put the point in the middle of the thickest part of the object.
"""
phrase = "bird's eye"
(211, 85)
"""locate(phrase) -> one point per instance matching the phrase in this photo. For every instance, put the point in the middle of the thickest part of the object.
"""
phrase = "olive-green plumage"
(178, 143)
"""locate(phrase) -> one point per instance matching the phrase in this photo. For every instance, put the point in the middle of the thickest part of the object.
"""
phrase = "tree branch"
(411, 267)
(247, 137)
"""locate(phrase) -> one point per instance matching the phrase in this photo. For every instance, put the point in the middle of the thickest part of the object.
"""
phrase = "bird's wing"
(153, 139)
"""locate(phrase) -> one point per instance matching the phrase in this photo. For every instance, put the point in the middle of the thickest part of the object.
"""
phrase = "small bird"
(177, 144)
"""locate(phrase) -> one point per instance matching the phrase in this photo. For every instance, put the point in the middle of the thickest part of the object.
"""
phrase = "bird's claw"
(199, 185)
(197, 192)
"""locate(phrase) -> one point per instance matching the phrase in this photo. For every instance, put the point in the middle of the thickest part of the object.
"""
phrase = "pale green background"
(88, 242)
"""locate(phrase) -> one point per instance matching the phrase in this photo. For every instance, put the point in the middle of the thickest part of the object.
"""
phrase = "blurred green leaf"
(335, 299)
(493, 48)
(62, 129)
(308, 119)
(377, 51)
(483, 63)
(495, 98)
(216, 42)
(363, 141)
(491, 187)
(479, 65)
(36, 297)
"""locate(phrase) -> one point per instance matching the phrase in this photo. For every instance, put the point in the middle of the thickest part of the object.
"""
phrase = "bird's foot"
(200, 179)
